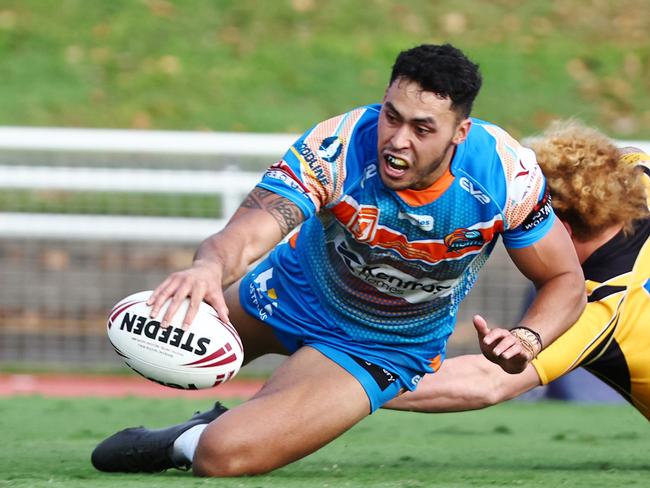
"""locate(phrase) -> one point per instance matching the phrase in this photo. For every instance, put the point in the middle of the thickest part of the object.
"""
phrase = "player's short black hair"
(441, 69)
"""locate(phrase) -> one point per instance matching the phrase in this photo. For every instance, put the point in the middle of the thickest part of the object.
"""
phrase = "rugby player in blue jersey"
(399, 205)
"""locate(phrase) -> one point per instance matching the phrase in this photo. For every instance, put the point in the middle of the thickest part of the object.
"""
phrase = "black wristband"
(536, 334)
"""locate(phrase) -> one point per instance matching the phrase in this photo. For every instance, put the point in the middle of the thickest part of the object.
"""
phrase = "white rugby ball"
(205, 355)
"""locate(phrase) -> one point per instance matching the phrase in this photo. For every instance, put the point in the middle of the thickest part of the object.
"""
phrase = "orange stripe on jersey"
(436, 362)
(363, 226)
(345, 211)
(432, 251)
(293, 239)
(417, 198)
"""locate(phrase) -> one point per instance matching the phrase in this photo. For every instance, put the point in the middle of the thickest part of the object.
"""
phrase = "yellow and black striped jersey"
(611, 338)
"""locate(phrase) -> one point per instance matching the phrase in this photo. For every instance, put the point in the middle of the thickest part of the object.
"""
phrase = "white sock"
(185, 446)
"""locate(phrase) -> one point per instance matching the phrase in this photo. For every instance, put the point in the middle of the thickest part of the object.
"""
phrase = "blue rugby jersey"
(391, 267)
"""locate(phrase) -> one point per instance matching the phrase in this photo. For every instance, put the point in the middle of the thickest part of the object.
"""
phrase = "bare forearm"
(263, 220)
(553, 266)
(463, 383)
(220, 250)
(557, 305)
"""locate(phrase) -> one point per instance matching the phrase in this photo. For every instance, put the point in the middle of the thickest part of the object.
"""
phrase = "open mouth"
(396, 163)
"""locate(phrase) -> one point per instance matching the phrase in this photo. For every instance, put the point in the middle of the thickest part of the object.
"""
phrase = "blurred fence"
(90, 216)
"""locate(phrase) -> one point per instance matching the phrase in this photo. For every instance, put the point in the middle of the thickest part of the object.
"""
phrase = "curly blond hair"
(591, 188)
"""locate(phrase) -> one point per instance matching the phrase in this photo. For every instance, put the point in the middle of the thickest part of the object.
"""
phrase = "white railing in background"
(231, 184)
(159, 142)
(140, 141)
(107, 227)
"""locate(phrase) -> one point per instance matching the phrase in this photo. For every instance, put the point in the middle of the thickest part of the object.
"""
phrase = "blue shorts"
(279, 296)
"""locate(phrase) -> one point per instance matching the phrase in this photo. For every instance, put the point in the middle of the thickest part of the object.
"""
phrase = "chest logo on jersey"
(392, 281)
(462, 238)
(467, 185)
(424, 222)
(364, 224)
(330, 148)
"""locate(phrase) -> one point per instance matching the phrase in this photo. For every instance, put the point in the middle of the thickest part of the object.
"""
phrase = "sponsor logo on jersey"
(364, 223)
(468, 186)
(371, 170)
(282, 172)
(307, 156)
(330, 148)
(416, 379)
(263, 297)
(462, 238)
(382, 376)
(392, 281)
(539, 214)
(527, 173)
(424, 222)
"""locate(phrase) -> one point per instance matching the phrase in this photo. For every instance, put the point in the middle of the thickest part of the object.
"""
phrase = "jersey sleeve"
(569, 350)
(313, 171)
(535, 226)
(528, 211)
(603, 320)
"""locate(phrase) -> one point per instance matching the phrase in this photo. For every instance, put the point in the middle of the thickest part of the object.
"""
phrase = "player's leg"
(309, 401)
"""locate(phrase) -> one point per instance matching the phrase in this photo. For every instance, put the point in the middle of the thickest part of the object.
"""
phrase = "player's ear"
(462, 129)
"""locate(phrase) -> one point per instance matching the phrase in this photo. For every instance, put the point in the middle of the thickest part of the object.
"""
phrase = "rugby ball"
(205, 355)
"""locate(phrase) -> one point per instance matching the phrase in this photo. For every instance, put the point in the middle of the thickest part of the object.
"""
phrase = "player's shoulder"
(495, 161)
(347, 121)
(490, 146)
(333, 136)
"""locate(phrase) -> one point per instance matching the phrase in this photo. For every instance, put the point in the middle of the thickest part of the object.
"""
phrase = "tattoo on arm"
(286, 213)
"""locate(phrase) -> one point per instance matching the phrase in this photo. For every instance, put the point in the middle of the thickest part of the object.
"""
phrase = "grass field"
(281, 66)
(47, 443)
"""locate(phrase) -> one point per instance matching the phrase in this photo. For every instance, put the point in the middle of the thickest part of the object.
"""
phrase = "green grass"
(47, 443)
(111, 203)
(281, 66)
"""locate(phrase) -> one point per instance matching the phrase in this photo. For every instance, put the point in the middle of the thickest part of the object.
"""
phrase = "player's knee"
(227, 458)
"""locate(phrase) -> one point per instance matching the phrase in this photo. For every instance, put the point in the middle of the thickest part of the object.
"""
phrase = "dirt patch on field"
(59, 385)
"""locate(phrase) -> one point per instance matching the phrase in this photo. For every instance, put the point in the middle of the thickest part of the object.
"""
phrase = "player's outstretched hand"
(201, 282)
(501, 347)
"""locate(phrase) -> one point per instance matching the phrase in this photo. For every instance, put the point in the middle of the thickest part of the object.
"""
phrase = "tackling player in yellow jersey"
(602, 195)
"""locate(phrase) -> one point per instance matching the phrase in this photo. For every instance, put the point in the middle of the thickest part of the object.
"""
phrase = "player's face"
(417, 134)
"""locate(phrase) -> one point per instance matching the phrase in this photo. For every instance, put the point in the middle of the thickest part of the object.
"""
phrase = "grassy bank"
(283, 65)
